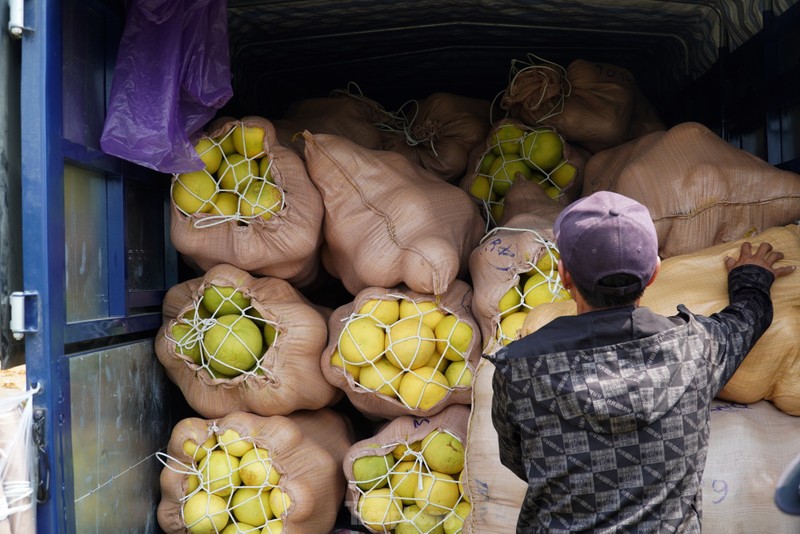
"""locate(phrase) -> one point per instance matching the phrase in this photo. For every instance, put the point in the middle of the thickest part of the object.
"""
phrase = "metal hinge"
(43, 464)
(24, 313)
(16, 18)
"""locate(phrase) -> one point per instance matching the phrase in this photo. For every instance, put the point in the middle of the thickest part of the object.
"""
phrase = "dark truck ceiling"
(395, 51)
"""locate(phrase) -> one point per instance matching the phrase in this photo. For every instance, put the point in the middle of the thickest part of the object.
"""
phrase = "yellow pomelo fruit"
(563, 174)
(239, 528)
(273, 526)
(443, 452)
(352, 370)
(204, 513)
(270, 334)
(194, 192)
(251, 505)
(510, 301)
(504, 172)
(409, 343)
(192, 483)
(481, 187)
(464, 494)
(438, 493)
(226, 204)
(540, 290)
(265, 169)
(225, 143)
(279, 501)
(248, 140)
(233, 345)
(509, 327)
(453, 337)
(544, 149)
(198, 453)
(404, 479)
(210, 153)
(458, 374)
(386, 312)
(486, 162)
(506, 139)
(261, 198)
(362, 341)
(454, 522)
(372, 472)
(423, 388)
(381, 376)
(496, 210)
(430, 312)
(548, 263)
(188, 342)
(416, 521)
(380, 510)
(439, 362)
(552, 192)
(256, 469)
(219, 473)
(406, 450)
(235, 172)
(224, 300)
(232, 443)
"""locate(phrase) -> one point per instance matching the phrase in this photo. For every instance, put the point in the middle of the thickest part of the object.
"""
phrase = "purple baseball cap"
(607, 233)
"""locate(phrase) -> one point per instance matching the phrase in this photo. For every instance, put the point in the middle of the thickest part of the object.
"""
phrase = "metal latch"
(43, 464)
(24, 313)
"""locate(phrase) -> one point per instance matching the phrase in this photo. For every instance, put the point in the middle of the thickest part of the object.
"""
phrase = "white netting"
(237, 183)
(546, 70)
(536, 282)
(408, 350)
(412, 487)
(515, 150)
(231, 485)
(223, 334)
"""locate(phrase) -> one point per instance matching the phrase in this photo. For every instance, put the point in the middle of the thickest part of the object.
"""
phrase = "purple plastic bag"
(171, 77)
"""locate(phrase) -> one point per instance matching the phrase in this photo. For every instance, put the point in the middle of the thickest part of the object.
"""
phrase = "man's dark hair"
(604, 300)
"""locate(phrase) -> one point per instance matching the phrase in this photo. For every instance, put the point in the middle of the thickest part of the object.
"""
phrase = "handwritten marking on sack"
(730, 407)
(496, 246)
(419, 422)
(483, 487)
(720, 487)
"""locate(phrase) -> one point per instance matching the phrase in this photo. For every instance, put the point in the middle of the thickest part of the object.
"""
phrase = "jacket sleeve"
(508, 436)
(736, 328)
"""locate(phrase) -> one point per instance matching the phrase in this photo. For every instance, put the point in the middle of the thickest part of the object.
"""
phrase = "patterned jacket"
(605, 414)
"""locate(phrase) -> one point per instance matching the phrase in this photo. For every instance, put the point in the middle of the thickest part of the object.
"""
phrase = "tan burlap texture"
(285, 246)
(700, 190)
(456, 301)
(405, 431)
(699, 280)
(288, 376)
(306, 448)
(387, 220)
(594, 105)
(439, 132)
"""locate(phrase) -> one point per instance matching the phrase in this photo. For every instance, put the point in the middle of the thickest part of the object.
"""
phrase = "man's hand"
(763, 257)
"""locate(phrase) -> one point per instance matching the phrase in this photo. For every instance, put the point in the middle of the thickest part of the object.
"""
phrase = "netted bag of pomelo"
(514, 151)
(407, 479)
(253, 206)
(397, 352)
(231, 342)
(514, 270)
(248, 473)
(387, 220)
(438, 132)
(594, 105)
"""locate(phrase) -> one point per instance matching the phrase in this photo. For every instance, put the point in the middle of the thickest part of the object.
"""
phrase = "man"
(605, 414)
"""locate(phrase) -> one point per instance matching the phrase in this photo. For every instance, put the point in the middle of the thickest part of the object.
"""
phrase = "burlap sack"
(306, 449)
(699, 281)
(345, 112)
(748, 448)
(594, 105)
(701, 191)
(497, 265)
(288, 376)
(439, 132)
(564, 182)
(285, 246)
(528, 198)
(387, 220)
(403, 438)
(389, 403)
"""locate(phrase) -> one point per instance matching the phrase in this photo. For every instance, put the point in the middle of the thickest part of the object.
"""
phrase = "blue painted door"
(97, 262)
